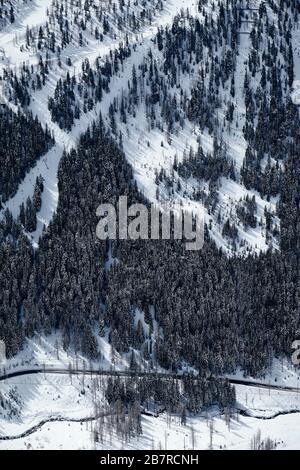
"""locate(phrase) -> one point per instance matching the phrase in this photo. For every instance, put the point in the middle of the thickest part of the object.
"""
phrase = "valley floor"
(166, 433)
(55, 411)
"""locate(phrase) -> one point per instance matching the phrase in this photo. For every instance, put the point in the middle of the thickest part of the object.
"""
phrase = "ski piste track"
(123, 373)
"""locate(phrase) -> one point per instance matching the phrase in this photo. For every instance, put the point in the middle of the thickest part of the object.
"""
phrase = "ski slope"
(48, 164)
(145, 159)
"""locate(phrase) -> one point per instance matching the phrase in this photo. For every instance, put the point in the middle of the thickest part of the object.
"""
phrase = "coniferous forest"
(230, 305)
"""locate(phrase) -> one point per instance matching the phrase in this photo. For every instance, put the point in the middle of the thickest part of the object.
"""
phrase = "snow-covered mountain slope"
(48, 44)
(15, 55)
(197, 96)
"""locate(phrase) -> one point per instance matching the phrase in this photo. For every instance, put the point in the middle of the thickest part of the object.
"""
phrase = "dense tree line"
(154, 393)
(209, 167)
(94, 173)
(16, 265)
(270, 115)
(22, 142)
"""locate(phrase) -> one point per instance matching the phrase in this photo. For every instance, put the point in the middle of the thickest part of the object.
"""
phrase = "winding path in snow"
(57, 419)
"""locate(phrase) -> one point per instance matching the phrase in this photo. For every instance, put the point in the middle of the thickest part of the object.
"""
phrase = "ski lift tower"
(248, 14)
